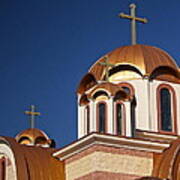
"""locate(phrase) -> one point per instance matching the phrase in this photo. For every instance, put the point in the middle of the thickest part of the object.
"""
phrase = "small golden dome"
(33, 136)
(145, 59)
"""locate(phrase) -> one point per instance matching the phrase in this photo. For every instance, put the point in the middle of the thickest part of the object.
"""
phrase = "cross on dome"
(32, 113)
(133, 19)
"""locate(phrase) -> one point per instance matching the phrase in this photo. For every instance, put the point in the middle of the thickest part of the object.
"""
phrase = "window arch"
(100, 93)
(128, 88)
(166, 109)
(101, 117)
(165, 105)
(119, 118)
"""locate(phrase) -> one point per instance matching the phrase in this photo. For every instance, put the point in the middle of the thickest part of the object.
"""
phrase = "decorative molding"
(156, 136)
(112, 141)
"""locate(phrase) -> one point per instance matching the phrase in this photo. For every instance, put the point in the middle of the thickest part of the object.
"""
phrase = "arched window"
(101, 112)
(25, 140)
(165, 103)
(2, 168)
(167, 109)
(129, 89)
(119, 119)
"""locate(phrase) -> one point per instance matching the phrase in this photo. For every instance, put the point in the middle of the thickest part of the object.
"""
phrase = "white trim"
(110, 113)
(8, 153)
(128, 123)
(149, 134)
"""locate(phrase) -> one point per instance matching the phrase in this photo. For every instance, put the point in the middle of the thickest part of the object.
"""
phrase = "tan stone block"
(109, 162)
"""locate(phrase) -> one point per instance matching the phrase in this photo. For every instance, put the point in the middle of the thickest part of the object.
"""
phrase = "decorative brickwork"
(107, 176)
(107, 149)
(111, 160)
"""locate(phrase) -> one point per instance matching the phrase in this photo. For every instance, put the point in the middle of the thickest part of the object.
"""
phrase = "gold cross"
(133, 19)
(107, 65)
(32, 115)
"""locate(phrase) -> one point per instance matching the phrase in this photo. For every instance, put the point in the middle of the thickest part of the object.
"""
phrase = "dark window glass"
(88, 119)
(100, 93)
(2, 168)
(126, 89)
(119, 119)
(102, 117)
(133, 117)
(165, 105)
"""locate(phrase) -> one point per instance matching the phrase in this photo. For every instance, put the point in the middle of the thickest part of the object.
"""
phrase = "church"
(128, 123)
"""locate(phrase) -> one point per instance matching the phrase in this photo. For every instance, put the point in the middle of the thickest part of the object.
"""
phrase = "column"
(92, 106)
(110, 116)
(128, 123)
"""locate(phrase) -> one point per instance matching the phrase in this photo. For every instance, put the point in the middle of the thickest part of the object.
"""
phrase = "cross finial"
(133, 19)
(107, 65)
(32, 113)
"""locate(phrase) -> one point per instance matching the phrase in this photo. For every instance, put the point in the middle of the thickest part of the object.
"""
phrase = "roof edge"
(110, 140)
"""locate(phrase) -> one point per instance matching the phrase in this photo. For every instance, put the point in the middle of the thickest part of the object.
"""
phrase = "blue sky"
(47, 46)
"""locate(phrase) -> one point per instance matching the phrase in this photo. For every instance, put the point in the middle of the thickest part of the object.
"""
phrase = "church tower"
(130, 89)
(141, 93)
(128, 123)
(128, 116)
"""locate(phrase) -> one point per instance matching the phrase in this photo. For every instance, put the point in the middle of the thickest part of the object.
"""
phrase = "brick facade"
(101, 161)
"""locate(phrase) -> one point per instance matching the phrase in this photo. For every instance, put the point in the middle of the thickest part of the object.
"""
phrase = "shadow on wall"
(150, 178)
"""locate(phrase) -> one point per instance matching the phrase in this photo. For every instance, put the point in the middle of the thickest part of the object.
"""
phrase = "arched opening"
(119, 119)
(101, 117)
(129, 89)
(160, 72)
(126, 89)
(124, 67)
(166, 108)
(121, 95)
(24, 140)
(100, 93)
(165, 103)
(40, 141)
(2, 168)
(165, 73)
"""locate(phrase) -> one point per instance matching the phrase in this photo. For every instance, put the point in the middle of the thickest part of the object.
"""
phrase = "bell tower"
(132, 88)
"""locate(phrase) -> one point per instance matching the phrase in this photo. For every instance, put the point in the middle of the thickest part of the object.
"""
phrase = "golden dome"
(33, 136)
(145, 60)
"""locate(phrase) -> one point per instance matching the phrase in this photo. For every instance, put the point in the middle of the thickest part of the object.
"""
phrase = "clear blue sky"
(47, 46)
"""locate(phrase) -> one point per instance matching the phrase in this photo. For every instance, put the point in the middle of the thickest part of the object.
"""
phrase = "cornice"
(111, 141)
